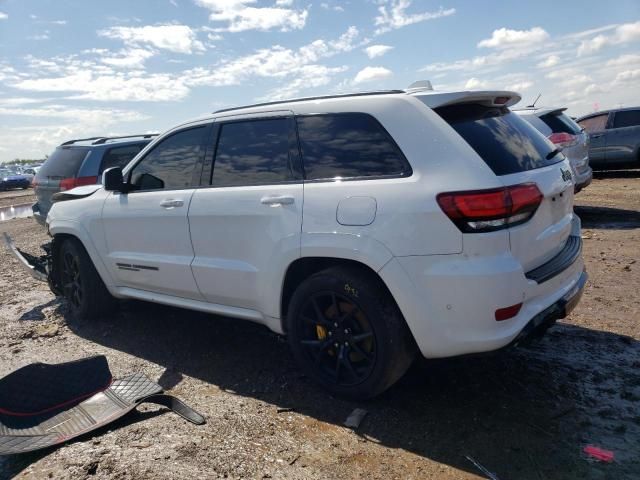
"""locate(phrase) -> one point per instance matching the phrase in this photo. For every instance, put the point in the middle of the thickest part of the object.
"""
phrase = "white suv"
(365, 227)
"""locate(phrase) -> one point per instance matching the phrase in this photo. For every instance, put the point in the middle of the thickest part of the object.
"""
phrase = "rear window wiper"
(553, 153)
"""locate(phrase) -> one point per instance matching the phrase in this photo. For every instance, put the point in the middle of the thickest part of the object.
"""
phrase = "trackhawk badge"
(566, 175)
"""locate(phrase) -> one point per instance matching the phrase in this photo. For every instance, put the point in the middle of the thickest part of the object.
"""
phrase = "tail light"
(563, 140)
(490, 210)
(69, 183)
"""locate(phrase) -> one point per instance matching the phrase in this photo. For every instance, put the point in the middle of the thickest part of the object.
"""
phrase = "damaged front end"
(41, 268)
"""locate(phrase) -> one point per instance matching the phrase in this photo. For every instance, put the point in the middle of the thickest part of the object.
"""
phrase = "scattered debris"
(355, 418)
(45, 330)
(599, 453)
(491, 476)
(285, 409)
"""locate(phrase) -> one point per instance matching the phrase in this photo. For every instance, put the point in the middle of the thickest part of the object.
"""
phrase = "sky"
(80, 68)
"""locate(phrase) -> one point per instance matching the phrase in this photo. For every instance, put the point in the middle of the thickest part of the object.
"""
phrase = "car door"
(596, 128)
(623, 137)
(147, 229)
(245, 227)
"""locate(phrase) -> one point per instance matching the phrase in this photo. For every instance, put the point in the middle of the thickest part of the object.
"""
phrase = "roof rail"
(102, 140)
(106, 139)
(71, 142)
(305, 99)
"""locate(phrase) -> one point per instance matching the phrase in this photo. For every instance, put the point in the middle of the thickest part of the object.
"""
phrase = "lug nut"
(335, 324)
(330, 334)
(346, 344)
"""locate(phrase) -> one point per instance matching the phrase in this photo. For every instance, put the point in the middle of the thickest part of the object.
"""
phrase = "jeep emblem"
(566, 175)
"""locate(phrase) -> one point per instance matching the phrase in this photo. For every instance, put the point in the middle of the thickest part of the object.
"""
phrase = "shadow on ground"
(608, 218)
(601, 174)
(521, 414)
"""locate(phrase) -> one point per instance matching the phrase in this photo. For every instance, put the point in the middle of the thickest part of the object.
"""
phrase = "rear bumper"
(449, 301)
(583, 180)
(539, 324)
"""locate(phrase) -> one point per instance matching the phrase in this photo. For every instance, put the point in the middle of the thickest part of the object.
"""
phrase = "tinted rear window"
(63, 162)
(507, 143)
(626, 118)
(348, 145)
(561, 123)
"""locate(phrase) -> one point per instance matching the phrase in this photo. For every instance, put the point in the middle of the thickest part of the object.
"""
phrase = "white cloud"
(370, 74)
(65, 122)
(3, 16)
(625, 33)
(377, 50)
(130, 58)
(284, 3)
(17, 101)
(111, 87)
(105, 116)
(505, 38)
(393, 15)
(274, 62)
(308, 76)
(473, 83)
(175, 38)
(550, 61)
(520, 86)
(628, 76)
(624, 60)
(100, 79)
(240, 16)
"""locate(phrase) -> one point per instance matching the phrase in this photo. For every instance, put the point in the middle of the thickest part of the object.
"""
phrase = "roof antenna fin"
(533, 105)
(420, 85)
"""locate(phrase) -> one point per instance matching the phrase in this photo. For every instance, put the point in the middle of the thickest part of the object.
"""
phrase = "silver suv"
(565, 134)
(81, 162)
(615, 138)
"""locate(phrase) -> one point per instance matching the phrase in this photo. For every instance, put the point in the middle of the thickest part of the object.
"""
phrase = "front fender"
(76, 229)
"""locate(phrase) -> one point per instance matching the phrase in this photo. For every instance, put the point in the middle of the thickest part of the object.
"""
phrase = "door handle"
(277, 200)
(171, 203)
(597, 135)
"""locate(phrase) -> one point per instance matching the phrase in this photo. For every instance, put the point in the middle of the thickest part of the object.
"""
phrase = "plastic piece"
(599, 453)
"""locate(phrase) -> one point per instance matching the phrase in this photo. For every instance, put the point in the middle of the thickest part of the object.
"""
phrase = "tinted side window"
(254, 152)
(348, 145)
(626, 118)
(119, 156)
(595, 124)
(506, 142)
(171, 163)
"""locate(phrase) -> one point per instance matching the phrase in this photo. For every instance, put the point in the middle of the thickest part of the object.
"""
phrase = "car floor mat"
(44, 405)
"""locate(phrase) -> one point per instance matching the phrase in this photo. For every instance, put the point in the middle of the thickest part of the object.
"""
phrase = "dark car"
(81, 162)
(615, 138)
(10, 180)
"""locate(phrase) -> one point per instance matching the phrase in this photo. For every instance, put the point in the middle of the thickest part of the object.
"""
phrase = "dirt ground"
(523, 414)
(16, 197)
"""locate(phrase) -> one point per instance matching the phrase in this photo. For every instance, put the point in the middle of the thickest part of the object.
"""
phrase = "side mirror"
(112, 179)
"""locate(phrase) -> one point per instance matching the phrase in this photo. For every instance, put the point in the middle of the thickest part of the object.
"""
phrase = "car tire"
(347, 333)
(85, 292)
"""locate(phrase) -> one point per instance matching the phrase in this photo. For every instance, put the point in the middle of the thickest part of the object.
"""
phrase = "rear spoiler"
(489, 98)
